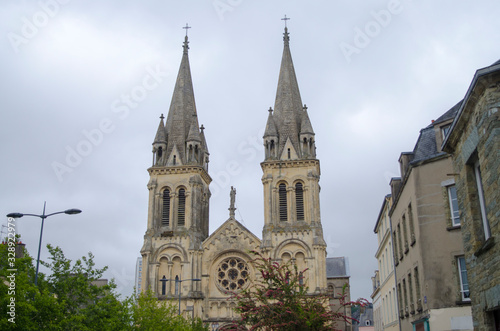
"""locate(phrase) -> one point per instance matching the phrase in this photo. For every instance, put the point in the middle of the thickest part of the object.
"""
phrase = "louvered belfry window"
(299, 201)
(282, 201)
(165, 213)
(181, 212)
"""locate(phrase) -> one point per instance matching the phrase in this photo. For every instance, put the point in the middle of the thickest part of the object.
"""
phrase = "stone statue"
(232, 195)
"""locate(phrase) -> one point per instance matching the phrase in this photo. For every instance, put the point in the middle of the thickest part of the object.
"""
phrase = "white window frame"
(445, 129)
(480, 194)
(455, 214)
(460, 271)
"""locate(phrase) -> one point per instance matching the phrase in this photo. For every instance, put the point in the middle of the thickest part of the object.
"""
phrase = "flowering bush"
(279, 300)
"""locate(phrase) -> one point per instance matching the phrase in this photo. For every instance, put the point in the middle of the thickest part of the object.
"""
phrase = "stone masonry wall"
(480, 141)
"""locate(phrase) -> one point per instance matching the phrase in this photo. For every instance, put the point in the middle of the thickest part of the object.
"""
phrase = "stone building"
(430, 273)
(337, 281)
(180, 258)
(385, 312)
(474, 142)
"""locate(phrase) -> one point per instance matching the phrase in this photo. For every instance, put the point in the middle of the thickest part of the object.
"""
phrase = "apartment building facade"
(385, 312)
(431, 278)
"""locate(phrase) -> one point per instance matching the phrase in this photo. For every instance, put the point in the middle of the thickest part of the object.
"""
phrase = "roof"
(449, 114)
(386, 200)
(426, 146)
(495, 67)
(337, 267)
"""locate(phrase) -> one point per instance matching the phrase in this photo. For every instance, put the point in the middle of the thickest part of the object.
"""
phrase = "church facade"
(181, 260)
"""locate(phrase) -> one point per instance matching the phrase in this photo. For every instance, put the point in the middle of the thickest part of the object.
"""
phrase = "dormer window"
(445, 130)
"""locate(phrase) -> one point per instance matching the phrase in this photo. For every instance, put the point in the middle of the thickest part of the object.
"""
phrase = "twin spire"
(288, 134)
(181, 141)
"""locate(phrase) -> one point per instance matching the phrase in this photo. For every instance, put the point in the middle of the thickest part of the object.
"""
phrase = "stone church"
(180, 258)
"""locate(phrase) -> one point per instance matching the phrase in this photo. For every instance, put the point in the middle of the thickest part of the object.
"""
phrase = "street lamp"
(43, 217)
(178, 282)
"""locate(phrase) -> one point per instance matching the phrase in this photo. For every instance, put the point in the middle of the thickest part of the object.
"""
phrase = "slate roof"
(426, 146)
(449, 114)
(337, 267)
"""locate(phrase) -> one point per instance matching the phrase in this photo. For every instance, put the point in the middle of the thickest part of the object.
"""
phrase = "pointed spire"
(182, 121)
(203, 140)
(194, 134)
(270, 126)
(305, 126)
(160, 133)
(288, 104)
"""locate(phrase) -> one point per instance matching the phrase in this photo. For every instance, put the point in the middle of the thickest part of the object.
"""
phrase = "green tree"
(279, 300)
(69, 299)
(149, 313)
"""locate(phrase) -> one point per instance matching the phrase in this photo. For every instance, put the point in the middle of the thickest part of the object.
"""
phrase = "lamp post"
(178, 282)
(43, 217)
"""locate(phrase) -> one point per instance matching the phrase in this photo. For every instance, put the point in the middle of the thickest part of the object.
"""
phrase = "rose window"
(232, 274)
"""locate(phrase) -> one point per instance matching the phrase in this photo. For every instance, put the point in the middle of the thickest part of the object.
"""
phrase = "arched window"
(177, 283)
(282, 202)
(163, 285)
(181, 210)
(299, 201)
(165, 213)
(160, 153)
(331, 291)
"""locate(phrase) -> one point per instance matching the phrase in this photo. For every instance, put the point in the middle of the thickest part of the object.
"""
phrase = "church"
(181, 260)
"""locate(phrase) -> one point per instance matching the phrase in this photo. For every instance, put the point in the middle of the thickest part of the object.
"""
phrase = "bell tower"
(291, 172)
(178, 198)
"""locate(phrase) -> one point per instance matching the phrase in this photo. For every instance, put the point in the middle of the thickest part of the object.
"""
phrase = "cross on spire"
(285, 19)
(186, 27)
(186, 42)
(286, 37)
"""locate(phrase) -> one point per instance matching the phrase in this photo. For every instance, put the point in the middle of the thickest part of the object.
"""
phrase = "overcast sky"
(83, 84)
